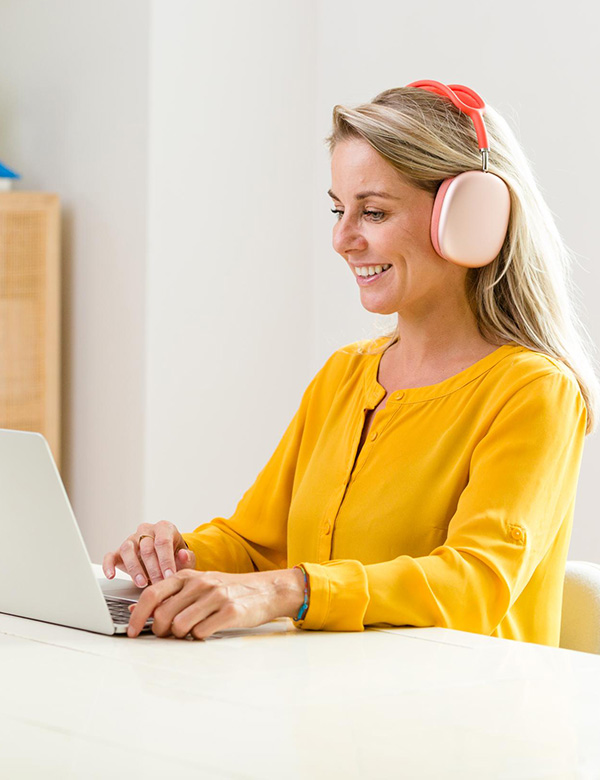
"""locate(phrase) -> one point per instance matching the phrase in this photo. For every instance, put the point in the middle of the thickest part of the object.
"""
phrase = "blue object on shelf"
(6, 173)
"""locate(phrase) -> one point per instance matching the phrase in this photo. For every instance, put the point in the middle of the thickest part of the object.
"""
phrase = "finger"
(207, 600)
(129, 555)
(227, 617)
(167, 618)
(185, 559)
(163, 544)
(148, 556)
(150, 600)
(195, 614)
(109, 562)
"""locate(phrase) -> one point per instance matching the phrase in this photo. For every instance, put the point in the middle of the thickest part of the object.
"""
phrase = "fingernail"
(140, 580)
(130, 631)
(168, 573)
(109, 573)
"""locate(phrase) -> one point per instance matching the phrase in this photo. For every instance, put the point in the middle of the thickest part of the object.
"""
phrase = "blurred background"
(200, 291)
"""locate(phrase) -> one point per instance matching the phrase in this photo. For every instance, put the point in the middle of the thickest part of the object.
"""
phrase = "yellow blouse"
(457, 513)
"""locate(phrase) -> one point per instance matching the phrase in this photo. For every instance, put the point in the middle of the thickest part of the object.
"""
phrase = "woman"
(429, 476)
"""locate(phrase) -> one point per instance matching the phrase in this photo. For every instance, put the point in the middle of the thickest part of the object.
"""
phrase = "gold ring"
(142, 536)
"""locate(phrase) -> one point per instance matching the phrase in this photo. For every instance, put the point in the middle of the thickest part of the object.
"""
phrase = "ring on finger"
(143, 536)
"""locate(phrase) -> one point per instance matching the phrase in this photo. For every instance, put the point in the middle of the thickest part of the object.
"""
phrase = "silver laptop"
(45, 570)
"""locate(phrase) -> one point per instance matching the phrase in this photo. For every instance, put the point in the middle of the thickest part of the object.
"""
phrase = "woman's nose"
(348, 238)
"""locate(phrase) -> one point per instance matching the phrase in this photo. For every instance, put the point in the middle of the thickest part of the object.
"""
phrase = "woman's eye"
(376, 215)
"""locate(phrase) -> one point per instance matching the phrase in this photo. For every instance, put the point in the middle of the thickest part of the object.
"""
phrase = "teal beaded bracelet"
(304, 607)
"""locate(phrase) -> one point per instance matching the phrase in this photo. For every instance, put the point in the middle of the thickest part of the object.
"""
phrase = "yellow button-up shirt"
(457, 512)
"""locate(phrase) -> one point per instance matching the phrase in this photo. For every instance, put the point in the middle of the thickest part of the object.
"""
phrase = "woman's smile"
(370, 274)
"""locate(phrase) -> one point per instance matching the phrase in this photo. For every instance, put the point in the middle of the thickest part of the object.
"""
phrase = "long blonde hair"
(527, 294)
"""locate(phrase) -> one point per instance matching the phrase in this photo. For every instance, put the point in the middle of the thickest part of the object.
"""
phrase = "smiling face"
(391, 229)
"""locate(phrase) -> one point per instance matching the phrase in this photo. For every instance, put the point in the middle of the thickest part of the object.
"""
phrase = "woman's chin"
(370, 303)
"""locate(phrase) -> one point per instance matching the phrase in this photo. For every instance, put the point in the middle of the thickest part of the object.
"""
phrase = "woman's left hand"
(202, 602)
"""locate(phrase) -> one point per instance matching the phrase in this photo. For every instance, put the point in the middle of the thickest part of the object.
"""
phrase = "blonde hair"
(527, 294)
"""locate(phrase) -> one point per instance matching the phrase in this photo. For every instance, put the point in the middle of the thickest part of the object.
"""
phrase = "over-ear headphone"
(471, 211)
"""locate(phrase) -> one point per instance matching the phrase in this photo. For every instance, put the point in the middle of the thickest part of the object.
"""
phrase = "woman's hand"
(152, 553)
(202, 602)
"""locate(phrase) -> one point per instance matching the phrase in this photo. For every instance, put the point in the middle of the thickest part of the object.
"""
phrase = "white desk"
(276, 702)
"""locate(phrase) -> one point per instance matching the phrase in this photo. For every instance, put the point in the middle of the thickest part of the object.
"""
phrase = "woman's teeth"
(371, 270)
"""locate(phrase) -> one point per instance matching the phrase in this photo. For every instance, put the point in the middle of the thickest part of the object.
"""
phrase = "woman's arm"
(254, 538)
(243, 580)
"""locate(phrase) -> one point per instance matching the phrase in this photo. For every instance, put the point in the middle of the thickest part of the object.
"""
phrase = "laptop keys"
(119, 611)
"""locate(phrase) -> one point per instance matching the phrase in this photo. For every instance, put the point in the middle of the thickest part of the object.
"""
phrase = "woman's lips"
(365, 281)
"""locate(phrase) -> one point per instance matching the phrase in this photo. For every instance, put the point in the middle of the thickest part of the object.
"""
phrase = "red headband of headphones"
(465, 99)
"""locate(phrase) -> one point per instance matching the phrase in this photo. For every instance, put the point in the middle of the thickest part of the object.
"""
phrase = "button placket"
(327, 525)
(383, 418)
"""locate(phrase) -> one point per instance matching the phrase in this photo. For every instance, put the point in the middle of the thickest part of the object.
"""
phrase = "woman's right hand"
(152, 553)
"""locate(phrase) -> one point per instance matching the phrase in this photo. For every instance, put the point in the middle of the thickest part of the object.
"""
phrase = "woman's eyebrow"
(363, 195)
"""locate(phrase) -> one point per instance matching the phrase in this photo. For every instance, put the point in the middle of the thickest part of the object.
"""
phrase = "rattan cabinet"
(30, 314)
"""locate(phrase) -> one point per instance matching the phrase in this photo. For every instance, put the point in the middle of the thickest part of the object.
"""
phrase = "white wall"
(230, 238)
(73, 120)
(201, 290)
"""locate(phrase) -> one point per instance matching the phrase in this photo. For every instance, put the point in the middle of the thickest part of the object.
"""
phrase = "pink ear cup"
(470, 218)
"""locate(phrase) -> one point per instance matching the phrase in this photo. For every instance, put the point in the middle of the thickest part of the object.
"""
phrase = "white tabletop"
(278, 702)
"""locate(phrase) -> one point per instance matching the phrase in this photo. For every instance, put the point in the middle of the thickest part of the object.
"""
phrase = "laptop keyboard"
(119, 611)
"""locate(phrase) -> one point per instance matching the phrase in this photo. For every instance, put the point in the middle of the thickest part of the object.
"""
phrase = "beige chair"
(580, 628)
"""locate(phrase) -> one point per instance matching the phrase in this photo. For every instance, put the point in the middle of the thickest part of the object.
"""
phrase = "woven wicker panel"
(29, 314)
(23, 370)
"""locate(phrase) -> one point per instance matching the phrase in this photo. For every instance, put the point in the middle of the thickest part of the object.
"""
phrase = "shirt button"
(399, 396)
(327, 528)
(374, 435)
(516, 533)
